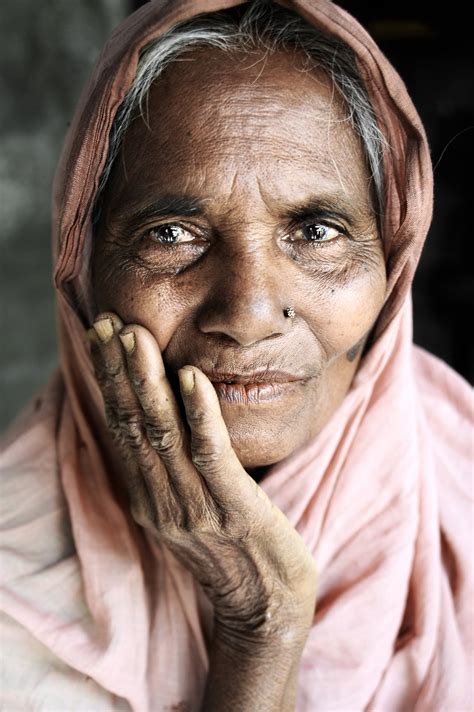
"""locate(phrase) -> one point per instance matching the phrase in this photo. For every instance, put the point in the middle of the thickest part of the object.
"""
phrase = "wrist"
(248, 674)
(261, 637)
(269, 621)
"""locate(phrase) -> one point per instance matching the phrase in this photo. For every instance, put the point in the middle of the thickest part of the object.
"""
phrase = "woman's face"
(241, 192)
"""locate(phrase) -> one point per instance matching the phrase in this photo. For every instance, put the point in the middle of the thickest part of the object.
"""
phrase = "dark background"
(48, 50)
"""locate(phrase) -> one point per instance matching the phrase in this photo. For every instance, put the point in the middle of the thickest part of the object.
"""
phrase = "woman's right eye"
(169, 234)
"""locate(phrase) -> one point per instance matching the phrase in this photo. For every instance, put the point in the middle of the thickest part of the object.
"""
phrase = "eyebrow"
(321, 206)
(174, 204)
(164, 205)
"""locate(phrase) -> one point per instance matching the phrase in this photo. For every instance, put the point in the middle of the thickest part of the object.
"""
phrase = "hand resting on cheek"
(187, 486)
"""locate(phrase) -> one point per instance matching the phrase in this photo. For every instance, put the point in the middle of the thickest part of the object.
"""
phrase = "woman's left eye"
(315, 232)
(169, 234)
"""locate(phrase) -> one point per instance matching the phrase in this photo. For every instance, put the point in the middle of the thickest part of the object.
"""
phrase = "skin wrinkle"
(254, 144)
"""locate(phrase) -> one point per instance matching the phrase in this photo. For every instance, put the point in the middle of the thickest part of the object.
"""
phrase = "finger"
(211, 449)
(163, 422)
(104, 327)
(123, 411)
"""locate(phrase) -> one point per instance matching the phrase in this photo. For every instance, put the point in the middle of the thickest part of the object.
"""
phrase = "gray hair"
(258, 25)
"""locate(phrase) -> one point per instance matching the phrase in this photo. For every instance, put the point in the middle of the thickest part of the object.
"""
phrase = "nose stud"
(289, 312)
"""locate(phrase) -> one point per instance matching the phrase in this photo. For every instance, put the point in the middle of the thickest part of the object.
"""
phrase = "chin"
(256, 447)
(265, 434)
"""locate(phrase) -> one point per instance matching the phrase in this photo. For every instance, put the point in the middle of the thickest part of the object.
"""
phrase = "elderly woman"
(245, 489)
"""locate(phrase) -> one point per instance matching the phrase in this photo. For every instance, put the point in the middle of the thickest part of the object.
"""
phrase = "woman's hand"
(187, 486)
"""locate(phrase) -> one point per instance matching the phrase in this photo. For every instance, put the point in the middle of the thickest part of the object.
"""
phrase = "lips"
(253, 393)
(256, 387)
(256, 377)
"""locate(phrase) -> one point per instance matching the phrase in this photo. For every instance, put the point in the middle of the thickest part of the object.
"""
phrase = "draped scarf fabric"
(99, 615)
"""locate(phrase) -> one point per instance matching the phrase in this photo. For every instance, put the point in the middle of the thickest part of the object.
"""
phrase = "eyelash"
(314, 243)
(319, 244)
(146, 234)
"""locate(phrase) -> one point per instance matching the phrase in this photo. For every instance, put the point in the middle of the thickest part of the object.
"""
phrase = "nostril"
(243, 322)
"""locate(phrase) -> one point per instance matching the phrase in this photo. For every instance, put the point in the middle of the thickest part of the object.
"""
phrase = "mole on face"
(354, 351)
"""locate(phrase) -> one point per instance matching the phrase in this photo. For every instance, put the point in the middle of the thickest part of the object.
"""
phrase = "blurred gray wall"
(47, 51)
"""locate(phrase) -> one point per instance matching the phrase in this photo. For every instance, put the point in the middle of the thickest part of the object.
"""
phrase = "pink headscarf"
(100, 616)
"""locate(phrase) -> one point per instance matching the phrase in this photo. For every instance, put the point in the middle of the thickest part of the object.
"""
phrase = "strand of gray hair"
(262, 26)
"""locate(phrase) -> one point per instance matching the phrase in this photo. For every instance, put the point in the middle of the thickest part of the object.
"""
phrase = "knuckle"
(197, 417)
(139, 382)
(130, 430)
(207, 457)
(114, 372)
(167, 441)
(171, 535)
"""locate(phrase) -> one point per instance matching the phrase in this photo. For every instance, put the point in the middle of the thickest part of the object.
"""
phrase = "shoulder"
(446, 396)
(439, 378)
(33, 511)
(40, 573)
(447, 442)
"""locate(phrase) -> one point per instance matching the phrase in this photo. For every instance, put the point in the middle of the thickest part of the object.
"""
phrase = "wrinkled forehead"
(252, 95)
(247, 119)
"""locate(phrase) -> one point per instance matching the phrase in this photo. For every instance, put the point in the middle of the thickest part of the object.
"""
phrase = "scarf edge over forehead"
(379, 497)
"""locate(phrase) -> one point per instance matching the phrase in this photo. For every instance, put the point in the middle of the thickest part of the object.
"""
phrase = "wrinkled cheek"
(138, 299)
(348, 313)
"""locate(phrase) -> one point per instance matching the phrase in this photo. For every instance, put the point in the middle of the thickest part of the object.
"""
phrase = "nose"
(246, 302)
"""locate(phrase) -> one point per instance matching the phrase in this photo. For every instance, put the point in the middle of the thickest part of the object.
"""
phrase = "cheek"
(345, 313)
(159, 303)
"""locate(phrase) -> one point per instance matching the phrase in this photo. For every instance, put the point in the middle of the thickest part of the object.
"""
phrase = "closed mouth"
(261, 377)
(255, 393)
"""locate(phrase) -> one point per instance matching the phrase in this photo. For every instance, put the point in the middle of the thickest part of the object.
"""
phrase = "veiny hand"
(188, 487)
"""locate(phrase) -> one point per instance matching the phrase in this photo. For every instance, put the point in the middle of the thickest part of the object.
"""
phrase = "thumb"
(211, 448)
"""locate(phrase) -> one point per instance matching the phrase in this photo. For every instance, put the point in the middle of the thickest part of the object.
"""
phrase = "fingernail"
(104, 329)
(186, 380)
(128, 341)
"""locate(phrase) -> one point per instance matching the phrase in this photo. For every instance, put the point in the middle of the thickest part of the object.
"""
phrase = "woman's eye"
(315, 233)
(169, 234)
